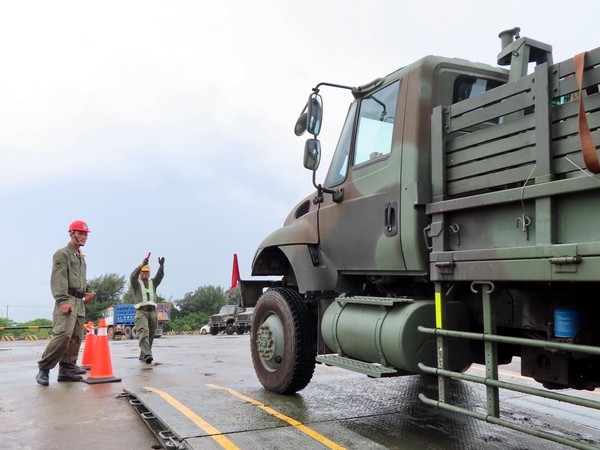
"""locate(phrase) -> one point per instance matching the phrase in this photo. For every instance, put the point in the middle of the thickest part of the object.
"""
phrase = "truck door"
(360, 231)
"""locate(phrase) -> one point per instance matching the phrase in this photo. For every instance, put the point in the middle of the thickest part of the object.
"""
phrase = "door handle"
(390, 220)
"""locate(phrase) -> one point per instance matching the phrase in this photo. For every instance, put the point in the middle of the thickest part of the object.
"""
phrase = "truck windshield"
(227, 309)
(339, 164)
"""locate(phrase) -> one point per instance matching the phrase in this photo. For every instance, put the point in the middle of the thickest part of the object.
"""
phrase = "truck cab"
(366, 226)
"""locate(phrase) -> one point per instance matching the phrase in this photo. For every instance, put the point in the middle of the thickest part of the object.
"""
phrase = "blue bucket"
(566, 322)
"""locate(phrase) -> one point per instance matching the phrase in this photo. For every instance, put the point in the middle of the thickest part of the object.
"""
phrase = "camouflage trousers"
(145, 325)
(67, 331)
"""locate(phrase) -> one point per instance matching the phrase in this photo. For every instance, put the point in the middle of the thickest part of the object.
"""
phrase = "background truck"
(120, 320)
(243, 321)
(224, 321)
(458, 223)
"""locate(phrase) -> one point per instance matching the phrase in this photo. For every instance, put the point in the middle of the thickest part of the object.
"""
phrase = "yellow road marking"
(293, 422)
(204, 425)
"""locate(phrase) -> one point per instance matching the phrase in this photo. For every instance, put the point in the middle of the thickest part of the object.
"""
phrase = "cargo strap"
(588, 147)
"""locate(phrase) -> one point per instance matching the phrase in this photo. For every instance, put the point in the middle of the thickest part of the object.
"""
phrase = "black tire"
(214, 331)
(230, 329)
(283, 342)
(240, 330)
(127, 332)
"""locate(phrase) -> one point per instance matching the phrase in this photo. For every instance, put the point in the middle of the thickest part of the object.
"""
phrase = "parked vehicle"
(163, 315)
(457, 224)
(243, 321)
(120, 321)
(224, 321)
(205, 329)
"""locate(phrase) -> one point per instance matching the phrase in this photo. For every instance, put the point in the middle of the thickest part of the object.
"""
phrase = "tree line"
(187, 314)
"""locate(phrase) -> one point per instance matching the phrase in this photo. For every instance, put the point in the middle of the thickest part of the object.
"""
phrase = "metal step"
(381, 301)
(371, 369)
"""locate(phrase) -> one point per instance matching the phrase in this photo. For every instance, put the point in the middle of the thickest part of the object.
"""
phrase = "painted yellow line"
(293, 422)
(201, 423)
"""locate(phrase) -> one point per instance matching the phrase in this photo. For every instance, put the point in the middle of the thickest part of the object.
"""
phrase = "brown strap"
(588, 147)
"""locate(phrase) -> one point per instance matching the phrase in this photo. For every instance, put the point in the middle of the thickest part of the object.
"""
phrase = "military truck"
(457, 224)
(224, 321)
(243, 321)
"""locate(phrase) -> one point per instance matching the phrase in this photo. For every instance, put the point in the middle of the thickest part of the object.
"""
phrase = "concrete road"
(205, 389)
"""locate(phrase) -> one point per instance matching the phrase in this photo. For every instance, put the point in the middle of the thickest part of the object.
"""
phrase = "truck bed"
(509, 184)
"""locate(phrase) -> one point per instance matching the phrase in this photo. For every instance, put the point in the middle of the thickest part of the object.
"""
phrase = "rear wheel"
(240, 330)
(134, 333)
(283, 342)
(127, 332)
(110, 332)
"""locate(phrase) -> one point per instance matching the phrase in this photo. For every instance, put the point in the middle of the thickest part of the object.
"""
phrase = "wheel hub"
(270, 342)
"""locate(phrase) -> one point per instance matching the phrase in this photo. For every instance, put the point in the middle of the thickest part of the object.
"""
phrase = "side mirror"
(314, 114)
(312, 154)
(300, 127)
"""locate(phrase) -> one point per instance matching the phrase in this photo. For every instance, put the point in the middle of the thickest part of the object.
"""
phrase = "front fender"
(298, 264)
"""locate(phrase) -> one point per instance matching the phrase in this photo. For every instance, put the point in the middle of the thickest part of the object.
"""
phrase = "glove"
(145, 261)
(161, 261)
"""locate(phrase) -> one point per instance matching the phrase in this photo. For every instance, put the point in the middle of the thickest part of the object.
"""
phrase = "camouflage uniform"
(145, 309)
(68, 284)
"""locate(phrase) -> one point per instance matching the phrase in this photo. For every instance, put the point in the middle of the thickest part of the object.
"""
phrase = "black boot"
(69, 376)
(42, 377)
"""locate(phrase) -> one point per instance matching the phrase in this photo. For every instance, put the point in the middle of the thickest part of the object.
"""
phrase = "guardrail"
(493, 384)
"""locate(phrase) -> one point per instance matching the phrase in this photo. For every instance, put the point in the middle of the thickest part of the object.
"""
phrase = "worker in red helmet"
(144, 293)
(70, 291)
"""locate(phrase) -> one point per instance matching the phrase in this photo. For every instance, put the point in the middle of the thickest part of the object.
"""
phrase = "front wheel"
(283, 341)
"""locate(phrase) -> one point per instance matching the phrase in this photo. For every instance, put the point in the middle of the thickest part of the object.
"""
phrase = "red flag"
(235, 273)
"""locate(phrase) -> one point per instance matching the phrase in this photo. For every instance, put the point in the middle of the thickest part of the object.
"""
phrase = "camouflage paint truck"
(243, 321)
(224, 320)
(458, 223)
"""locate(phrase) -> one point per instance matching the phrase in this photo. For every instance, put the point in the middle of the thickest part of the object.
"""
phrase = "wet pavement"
(205, 389)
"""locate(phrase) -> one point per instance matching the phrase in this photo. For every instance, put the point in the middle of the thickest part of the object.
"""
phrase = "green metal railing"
(491, 381)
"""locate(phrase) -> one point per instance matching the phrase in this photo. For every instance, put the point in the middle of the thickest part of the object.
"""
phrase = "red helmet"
(79, 225)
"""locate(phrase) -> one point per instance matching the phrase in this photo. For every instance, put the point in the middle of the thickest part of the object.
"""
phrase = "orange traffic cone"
(88, 348)
(101, 366)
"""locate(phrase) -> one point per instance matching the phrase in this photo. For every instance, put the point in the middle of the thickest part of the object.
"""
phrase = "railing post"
(491, 348)
(441, 342)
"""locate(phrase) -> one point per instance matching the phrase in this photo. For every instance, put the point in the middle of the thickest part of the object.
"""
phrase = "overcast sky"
(168, 125)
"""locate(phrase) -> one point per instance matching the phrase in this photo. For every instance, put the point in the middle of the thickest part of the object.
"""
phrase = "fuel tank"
(388, 334)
